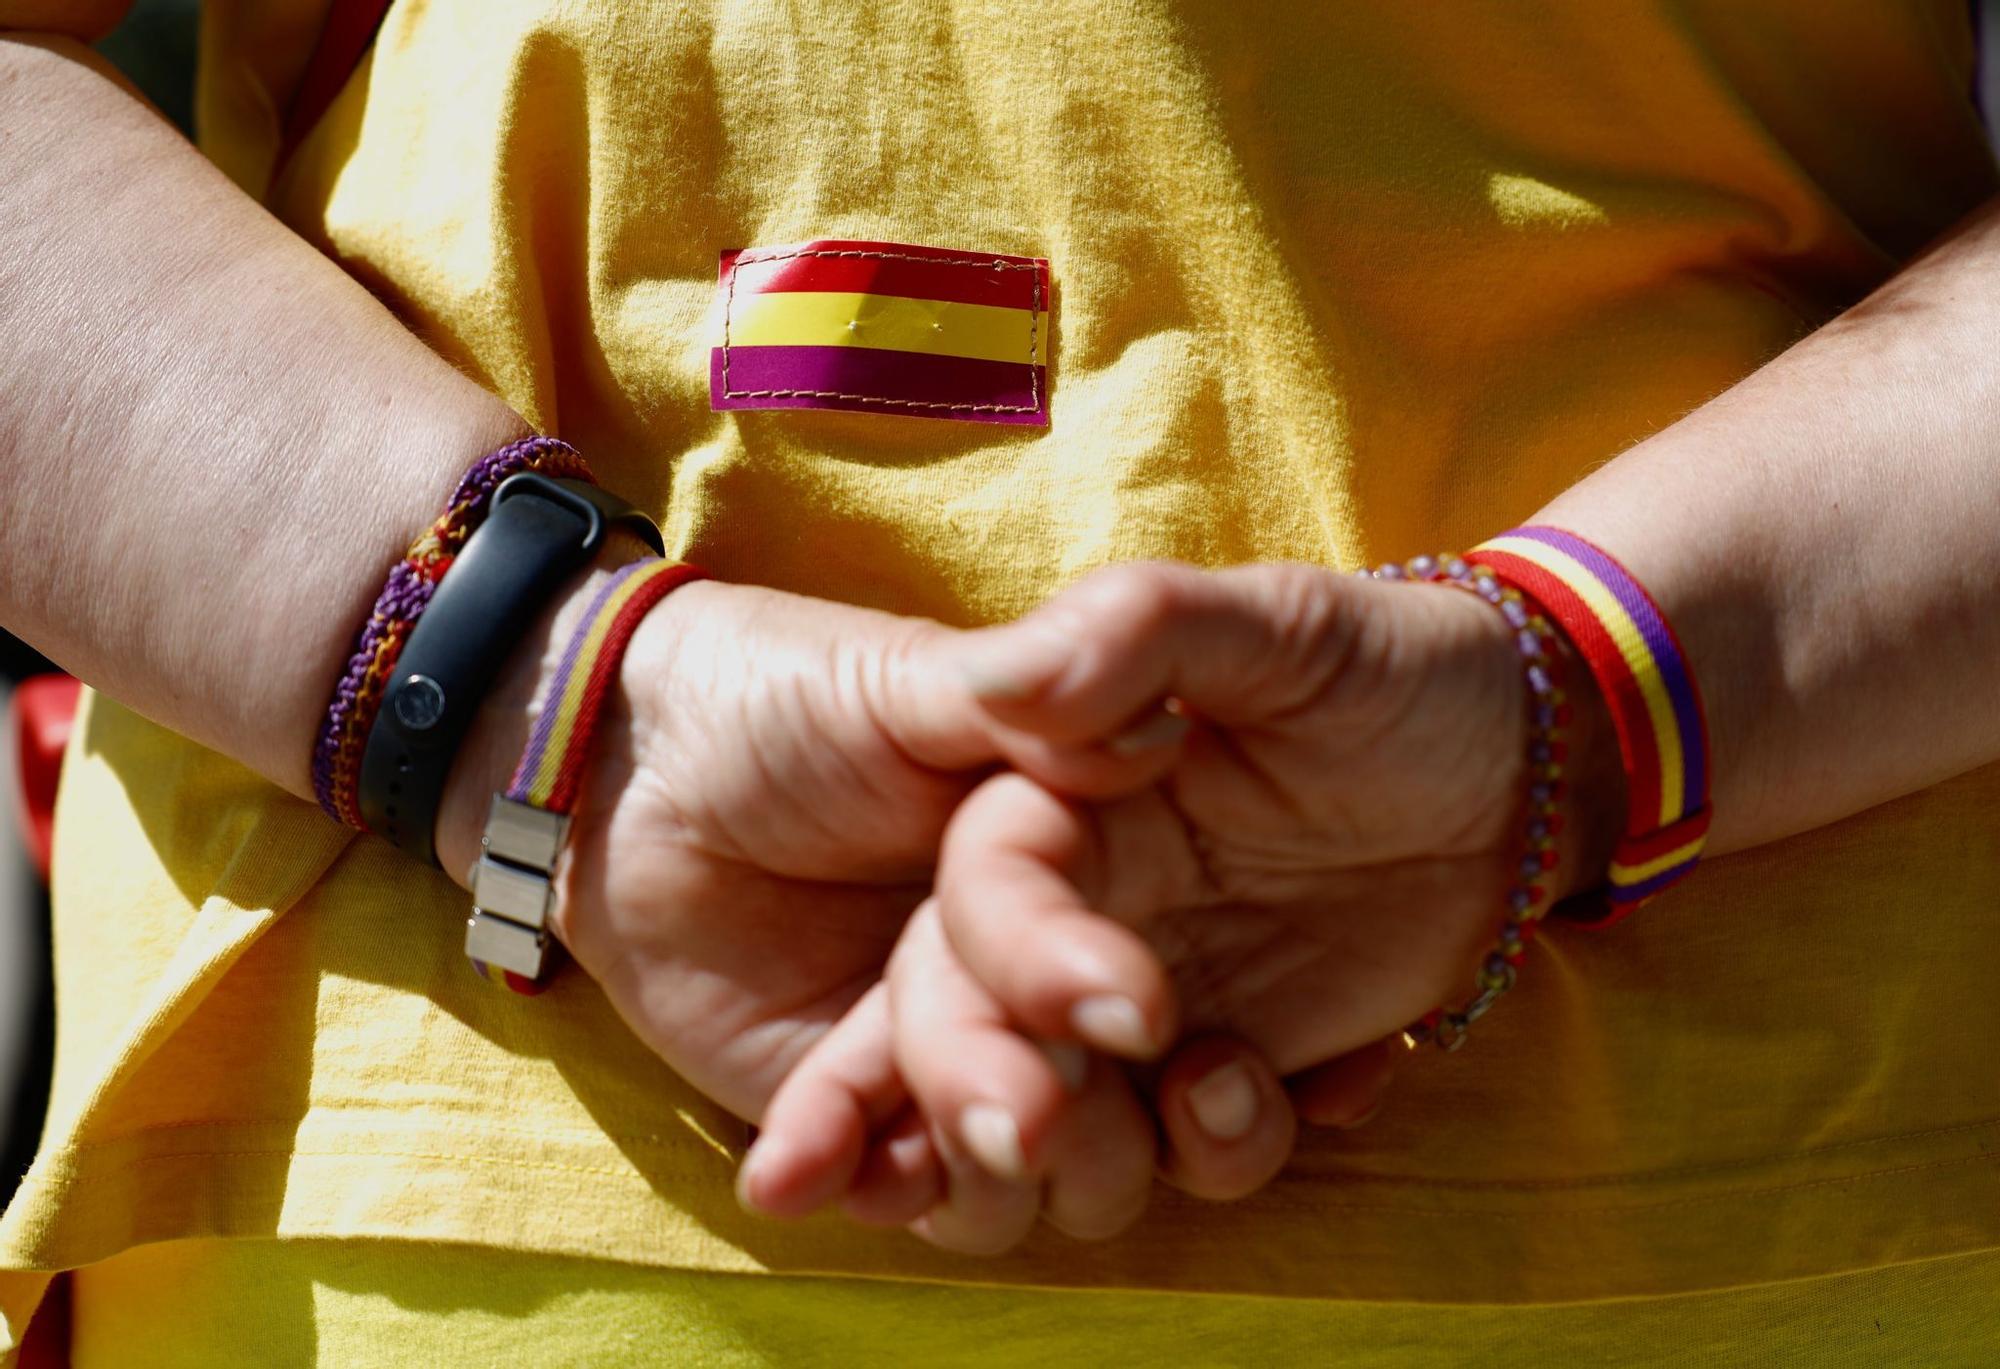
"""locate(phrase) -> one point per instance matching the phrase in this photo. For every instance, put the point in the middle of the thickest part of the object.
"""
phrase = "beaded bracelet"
(357, 696)
(1648, 688)
(513, 886)
(1526, 900)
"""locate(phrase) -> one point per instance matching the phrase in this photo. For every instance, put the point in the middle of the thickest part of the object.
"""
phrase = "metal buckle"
(513, 886)
(508, 945)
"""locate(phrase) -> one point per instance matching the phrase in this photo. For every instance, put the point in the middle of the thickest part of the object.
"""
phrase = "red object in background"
(43, 708)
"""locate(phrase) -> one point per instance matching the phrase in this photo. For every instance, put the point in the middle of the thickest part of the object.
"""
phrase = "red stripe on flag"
(879, 268)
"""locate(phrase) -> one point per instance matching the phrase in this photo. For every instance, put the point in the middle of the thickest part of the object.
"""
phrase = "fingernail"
(754, 1164)
(1070, 1061)
(1364, 1119)
(1011, 664)
(1225, 1102)
(1114, 1024)
(1158, 732)
(994, 1140)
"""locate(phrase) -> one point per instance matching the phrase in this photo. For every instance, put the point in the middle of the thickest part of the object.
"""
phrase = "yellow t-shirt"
(1331, 282)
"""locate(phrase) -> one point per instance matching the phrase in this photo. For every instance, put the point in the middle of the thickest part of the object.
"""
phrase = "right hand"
(763, 811)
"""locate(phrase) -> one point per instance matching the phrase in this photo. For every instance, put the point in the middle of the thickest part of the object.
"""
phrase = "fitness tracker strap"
(540, 532)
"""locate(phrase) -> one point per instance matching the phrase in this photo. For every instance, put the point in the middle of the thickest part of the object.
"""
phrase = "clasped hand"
(985, 926)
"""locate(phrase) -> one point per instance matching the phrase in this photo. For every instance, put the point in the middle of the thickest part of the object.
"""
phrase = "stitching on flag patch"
(888, 327)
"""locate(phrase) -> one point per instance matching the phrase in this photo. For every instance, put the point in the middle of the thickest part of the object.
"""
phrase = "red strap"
(44, 706)
(349, 29)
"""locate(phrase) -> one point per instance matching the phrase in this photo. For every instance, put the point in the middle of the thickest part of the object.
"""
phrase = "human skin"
(178, 374)
(215, 445)
(1325, 860)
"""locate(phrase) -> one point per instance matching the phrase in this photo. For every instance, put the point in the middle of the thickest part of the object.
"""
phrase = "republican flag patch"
(883, 327)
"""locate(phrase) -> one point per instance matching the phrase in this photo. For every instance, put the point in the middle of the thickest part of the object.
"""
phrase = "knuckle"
(900, 653)
(1310, 610)
(1140, 597)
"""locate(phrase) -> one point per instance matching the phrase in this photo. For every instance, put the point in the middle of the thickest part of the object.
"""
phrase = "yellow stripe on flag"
(809, 318)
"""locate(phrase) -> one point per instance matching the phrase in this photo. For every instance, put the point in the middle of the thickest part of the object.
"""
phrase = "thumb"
(1348, 1091)
(922, 692)
(1236, 646)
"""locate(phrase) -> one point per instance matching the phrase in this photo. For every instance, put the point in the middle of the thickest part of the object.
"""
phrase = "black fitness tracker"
(538, 533)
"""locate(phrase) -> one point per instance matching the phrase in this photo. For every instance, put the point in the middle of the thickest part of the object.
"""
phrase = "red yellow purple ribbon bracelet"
(513, 886)
(1650, 690)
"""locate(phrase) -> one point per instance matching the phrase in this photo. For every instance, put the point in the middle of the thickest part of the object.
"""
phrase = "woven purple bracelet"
(357, 695)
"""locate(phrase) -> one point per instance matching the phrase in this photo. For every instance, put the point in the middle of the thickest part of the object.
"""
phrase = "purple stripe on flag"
(874, 380)
(1659, 641)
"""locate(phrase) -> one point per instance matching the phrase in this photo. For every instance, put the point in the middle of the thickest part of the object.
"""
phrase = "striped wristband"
(1651, 693)
(513, 886)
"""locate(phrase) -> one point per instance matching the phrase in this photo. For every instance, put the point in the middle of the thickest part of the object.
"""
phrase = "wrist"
(499, 731)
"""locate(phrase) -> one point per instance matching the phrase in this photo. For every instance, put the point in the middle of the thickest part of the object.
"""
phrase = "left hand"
(1324, 864)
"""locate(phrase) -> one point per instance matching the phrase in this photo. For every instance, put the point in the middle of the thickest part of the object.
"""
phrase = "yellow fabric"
(1332, 282)
(216, 1304)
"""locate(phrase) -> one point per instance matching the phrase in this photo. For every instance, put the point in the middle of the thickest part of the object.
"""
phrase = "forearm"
(214, 444)
(1825, 537)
